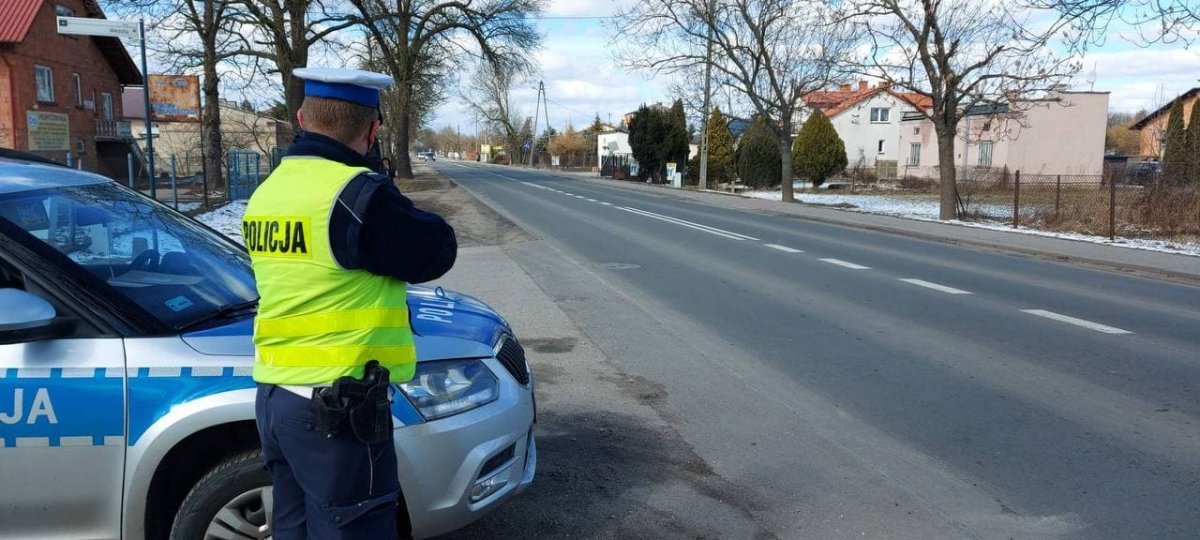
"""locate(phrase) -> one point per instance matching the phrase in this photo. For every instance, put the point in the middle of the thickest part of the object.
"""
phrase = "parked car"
(427, 155)
(126, 400)
(1143, 173)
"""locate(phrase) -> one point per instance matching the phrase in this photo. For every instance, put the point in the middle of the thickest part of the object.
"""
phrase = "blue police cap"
(353, 85)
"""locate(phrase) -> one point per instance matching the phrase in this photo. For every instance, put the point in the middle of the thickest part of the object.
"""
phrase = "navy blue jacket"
(375, 228)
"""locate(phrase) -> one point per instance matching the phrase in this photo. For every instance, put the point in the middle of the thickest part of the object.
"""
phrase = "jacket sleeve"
(376, 228)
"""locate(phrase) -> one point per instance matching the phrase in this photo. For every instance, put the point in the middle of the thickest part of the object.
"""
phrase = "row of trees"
(417, 42)
(1181, 151)
(817, 153)
(955, 53)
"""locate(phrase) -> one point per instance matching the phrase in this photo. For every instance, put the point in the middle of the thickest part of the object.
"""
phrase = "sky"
(583, 79)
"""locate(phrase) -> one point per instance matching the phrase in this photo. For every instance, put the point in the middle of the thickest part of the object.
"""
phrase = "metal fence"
(182, 184)
(1108, 204)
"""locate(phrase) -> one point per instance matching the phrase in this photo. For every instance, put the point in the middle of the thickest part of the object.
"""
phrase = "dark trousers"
(324, 487)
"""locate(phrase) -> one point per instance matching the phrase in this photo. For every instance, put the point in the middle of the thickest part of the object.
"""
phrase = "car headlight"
(449, 387)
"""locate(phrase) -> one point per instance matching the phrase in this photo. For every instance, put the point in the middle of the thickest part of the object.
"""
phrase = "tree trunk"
(947, 172)
(402, 160)
(211, 122)
(785, 155)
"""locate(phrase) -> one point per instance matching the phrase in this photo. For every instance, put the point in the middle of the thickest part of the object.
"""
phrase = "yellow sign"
(48, 130)
(175, 98)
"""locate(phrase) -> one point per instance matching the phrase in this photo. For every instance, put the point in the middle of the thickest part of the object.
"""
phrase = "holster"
(361, 406)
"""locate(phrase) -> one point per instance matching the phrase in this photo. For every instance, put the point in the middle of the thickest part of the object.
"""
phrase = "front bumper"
(455, 470)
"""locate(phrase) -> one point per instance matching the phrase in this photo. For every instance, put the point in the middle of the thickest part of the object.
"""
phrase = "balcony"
(113, 130)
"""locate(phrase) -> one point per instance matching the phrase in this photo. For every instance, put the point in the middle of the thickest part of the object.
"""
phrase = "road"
(864, 384)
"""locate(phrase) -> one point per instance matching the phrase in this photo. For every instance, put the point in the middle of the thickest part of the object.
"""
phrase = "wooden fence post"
(1017, 200)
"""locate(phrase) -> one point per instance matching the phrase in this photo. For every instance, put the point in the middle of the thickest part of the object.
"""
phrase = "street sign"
(84, 26)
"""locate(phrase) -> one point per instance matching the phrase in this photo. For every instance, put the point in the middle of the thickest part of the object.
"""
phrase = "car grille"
(512, 356)
(497, 460)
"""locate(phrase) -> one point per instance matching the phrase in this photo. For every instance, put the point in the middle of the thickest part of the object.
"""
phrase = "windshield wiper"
(232, 310)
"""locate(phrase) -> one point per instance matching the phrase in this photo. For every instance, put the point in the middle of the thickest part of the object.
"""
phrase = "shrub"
(818, 152)
(759, 163)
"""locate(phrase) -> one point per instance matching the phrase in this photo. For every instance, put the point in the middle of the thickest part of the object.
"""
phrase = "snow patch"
(226, 220)
(927, 210)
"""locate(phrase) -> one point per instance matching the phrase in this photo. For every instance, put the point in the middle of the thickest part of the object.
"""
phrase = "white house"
(1061, 133)
(613, 143)
(867, 118)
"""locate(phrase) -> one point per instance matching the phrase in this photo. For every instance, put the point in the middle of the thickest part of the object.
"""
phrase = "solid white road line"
(1077, 322)
(934, 286)
(660, 218)
(849, 265)
(691, 224)
(783, 248)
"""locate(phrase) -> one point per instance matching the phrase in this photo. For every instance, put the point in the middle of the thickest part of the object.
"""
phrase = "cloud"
(585, 8)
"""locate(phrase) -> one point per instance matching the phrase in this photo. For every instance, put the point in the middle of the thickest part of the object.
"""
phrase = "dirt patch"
(552, 345)
(474, 223)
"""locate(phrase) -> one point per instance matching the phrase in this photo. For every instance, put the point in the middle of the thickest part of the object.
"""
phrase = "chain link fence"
(1111, 204)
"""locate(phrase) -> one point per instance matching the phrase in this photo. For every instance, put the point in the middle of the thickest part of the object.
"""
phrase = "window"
(63, 11)
(880, 115)
(880, 146)
(44, 77)
(78, 91)
(985, 153)
(106, 105)
(916, 130)
(914, 153)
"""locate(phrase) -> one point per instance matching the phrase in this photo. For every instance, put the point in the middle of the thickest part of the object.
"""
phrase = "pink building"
(1061, 133)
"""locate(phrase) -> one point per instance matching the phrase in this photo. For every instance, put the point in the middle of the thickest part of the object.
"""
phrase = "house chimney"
(862, 86)
(844, 88)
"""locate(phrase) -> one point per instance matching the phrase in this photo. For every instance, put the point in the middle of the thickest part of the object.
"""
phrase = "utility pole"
(541, 97)
(708, 17)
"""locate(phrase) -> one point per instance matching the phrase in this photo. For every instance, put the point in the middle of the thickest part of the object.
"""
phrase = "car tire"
(227, 502)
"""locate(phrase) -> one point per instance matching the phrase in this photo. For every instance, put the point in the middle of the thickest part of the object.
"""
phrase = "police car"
(126, 403)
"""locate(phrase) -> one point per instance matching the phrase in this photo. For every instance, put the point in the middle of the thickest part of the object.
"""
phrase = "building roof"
(18, 16)
(834, 102)
(1164, 109)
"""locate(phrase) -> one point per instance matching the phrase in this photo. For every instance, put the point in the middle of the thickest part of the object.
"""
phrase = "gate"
(242, 173)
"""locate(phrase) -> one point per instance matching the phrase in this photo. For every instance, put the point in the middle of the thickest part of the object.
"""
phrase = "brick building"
(61, 94)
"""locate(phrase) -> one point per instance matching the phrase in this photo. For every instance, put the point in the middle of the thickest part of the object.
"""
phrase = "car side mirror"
(27, 317)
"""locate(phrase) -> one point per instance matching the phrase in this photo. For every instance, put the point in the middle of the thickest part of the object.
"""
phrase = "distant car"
(427, 155)
(1143, 172)
(126, 399)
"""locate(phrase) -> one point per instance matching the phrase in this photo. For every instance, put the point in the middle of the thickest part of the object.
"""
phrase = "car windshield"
(168, 264)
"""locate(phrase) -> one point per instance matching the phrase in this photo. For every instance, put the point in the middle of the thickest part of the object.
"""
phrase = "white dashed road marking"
(606, 203)
(689, 224)
(783, 248)
(934, 286)
(849, 265)
(1077, 322)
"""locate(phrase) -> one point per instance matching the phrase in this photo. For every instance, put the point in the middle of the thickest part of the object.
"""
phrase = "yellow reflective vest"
(316, 320)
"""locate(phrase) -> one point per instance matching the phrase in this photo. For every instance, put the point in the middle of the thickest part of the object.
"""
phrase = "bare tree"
(771, 52)
(284, 32)
(187, 35)
(959, 54)
(416, 36)
(1151, 21)
(489, 96)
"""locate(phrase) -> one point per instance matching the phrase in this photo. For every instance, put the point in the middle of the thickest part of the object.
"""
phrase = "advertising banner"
(175, 98)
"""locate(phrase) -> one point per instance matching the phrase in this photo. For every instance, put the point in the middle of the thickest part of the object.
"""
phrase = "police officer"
(332, 246)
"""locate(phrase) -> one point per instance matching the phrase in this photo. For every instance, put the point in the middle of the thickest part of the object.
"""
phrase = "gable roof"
(834, 102)
(1163, 110)
(18, 17)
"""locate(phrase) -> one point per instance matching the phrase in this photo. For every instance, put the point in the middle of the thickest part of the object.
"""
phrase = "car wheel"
(231, 502)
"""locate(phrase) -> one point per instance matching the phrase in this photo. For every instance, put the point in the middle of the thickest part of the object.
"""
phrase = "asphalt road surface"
(865, 384)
